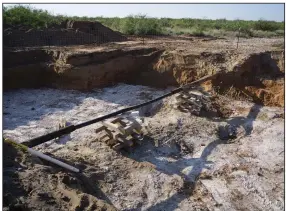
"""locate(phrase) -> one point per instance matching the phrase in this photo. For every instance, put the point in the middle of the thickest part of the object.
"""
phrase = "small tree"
(128, 25)
(141, 27)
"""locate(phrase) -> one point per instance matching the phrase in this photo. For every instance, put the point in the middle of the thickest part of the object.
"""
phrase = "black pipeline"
(42, 139)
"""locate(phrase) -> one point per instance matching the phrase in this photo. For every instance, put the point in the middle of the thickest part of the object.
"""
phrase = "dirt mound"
(77, 33)
(95, 28)
(50, 189)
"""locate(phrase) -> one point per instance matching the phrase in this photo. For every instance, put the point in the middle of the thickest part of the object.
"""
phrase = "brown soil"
(279, 58)
(253, 72)
(245, 75)
(272, 94)
(256, 77)
(75, 70)
(74, 33)
(66, 191)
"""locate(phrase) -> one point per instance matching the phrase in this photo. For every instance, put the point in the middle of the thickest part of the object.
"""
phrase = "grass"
(143, 25)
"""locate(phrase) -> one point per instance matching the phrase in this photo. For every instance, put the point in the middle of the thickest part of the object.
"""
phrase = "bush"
(244, 32)
(198, 31)
(128, 26)
(280, 32)
(25, 15)
(266, 25)
(142, 25)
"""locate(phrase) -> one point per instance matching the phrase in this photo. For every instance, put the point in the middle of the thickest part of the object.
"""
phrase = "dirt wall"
(75, 71)
(257, 75)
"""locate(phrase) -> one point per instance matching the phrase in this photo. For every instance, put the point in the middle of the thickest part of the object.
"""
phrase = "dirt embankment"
(279, 57)
(81, 71)
(67, 33)
(256, 76)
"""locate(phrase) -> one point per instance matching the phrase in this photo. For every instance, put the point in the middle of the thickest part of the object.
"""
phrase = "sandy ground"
(186, 44)
(181, 164)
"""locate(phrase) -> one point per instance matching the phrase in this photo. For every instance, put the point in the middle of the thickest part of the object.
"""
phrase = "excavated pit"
(256, 76)
(182, 162)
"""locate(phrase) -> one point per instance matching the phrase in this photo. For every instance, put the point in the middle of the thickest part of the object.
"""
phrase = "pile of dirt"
(12, 189)
(95, 28)
(77, 33)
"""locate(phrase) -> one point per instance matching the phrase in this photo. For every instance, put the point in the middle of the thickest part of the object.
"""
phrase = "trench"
(256, 77)
(41, 88)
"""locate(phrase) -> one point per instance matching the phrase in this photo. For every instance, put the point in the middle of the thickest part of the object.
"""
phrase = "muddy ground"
(183, 163)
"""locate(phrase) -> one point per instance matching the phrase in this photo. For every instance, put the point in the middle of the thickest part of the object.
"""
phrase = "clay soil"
(182, 163)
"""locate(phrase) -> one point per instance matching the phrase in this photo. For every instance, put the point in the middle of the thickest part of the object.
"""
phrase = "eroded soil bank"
(258, 76)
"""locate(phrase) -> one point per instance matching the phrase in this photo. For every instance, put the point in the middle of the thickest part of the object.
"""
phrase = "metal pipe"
(41, 155)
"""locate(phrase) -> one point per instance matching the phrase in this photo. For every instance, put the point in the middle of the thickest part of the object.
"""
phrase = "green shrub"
(142, 25)
(128, 26)
(280, 32)
(260, 33)
(25, 15)
(246, 32)
(266, 25)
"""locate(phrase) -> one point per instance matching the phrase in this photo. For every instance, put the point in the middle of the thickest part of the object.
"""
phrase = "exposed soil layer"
(67, 33)
(256, 77)
(246, 75)
(81, 71)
